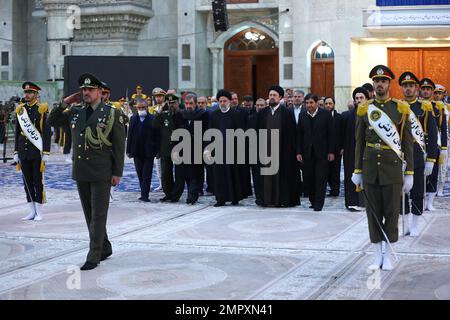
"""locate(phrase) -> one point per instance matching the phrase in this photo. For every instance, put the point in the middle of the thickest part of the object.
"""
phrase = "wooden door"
(432, 63)
(322, 78)
(238, 74)
(267, 74)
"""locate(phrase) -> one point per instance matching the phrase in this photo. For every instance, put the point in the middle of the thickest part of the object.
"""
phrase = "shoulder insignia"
(43, 108)
(440, 105)
(133, 96)
(19, 108)
(402, 106)
(363, 107)
(427, 106)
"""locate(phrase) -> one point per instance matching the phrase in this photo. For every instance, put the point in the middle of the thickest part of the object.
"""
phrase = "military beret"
(440, 88)
(158, 92)
(381, 71)
(426, 82)
(88, 80)
(360, 90)
(223, 93)
(278, 89)
(172, 98)
(30, 86)
(408, 77)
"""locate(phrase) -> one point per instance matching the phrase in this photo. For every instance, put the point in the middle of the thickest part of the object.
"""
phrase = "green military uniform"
(381, 168)
(165, 121)
(98, 155)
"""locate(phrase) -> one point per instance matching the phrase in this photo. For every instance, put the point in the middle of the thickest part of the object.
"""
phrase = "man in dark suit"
(315, 147)
(143, 146)
(334, 173)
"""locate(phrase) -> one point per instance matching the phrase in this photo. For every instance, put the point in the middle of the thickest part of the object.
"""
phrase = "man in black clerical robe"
(230, 184)
(353, 200)
(280, 189)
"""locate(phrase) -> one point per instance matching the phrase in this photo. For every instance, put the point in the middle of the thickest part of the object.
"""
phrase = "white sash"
(28, 128)
(417, 130)
(385, 129)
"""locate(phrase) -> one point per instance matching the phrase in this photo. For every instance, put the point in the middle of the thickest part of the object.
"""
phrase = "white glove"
(444, 155)
(357, 179)
(16, 158)
(428, 168)
(207, 156)
(45, 158)
(408, 182)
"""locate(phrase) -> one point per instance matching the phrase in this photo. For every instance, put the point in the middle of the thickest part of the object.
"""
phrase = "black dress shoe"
(88, 266)
(189, 201)
(219, 204)
(260, 203)
(106, 256)
(317, 209)
(311, 207)
(352, 210)
(165, 199)
(235, 203)
(174, 200)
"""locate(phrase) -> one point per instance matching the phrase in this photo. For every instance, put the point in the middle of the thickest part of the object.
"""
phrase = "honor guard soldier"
(439, 95)
(98, 159)
(32, 147)
(384, 146)
(135, 97)
(159, 96)
(424, 132)
(427, 88)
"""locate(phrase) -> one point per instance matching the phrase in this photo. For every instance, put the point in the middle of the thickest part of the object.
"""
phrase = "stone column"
(59, 33)
(215, 66)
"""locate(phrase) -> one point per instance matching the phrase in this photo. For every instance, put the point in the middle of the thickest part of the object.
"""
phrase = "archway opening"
(251, 63)
(322, 70)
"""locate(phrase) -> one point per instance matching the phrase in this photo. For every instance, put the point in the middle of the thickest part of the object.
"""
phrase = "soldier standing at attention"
(160, 96)
(424, 132)
(384, 143)
(32, 147)
(427, 88)
(98, 159)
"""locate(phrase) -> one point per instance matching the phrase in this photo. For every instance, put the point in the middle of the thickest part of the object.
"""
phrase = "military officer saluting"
(32, 147)
(424, 132)
(98, 159)
(427, 88)
(384, 143)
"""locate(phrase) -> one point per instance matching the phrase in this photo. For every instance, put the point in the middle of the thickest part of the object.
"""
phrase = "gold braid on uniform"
(97, 143)
(440, 106)
(427, 107)
(363, 108)
(403, 108)
(43, 108)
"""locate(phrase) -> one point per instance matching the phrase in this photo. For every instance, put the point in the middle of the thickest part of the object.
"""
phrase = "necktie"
(89, 112)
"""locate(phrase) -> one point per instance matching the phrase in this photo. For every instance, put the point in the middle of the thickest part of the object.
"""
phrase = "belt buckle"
(377, 146)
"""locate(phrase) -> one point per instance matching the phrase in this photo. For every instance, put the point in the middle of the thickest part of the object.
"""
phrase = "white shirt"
(274, 109)
(297, 111)
(314, 114)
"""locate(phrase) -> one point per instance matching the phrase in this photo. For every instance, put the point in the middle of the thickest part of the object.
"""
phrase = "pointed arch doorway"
(251, 63)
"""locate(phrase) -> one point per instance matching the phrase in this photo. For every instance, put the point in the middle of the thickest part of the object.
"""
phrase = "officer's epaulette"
(363, 107)
(134, 96)
(427, 106)
(43, 108)
(402, 106)
(440, 105)
(19, 107)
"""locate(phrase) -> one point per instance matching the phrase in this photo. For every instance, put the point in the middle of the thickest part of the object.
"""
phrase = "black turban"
(223, 93)
(360, 90)
(278, 89)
